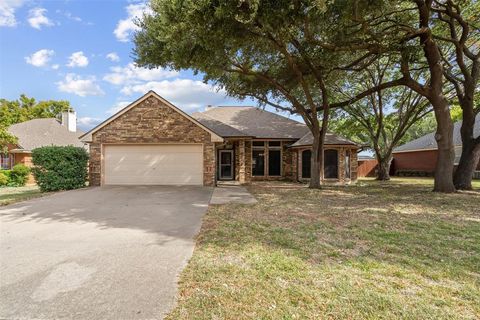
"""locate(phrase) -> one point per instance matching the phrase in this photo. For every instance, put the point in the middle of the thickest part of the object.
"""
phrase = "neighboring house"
(153, 142)
(419, 156)
(38, 133)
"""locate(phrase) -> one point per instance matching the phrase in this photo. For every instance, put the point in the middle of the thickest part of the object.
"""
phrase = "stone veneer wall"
(341, 165)
(151, 121)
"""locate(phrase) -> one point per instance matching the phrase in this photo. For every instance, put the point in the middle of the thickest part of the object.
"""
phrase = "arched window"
(306, 159)
(331, 164)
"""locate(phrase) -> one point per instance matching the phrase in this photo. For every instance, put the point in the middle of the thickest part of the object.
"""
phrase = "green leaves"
(60, 168)
(25, 108)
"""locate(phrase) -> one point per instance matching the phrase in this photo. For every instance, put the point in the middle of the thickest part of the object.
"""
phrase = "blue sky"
(81, 51)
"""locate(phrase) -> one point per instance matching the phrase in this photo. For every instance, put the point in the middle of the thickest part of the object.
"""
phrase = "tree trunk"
(467, 165)
(316, 161)
(383, 173)
(462, 178)
(446, 150)
(434, 93)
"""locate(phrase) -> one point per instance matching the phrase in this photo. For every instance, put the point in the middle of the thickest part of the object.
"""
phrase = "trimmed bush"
(3, 179)
(19, 175)
(60, 168)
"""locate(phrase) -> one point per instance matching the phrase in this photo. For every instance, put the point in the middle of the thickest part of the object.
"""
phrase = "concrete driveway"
(97, 253)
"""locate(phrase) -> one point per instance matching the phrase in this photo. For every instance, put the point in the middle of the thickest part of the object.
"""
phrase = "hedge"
(3, 179)
(17, 177)
(60, 168)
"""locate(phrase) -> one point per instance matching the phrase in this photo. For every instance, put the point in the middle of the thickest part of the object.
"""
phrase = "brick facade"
(151, 122)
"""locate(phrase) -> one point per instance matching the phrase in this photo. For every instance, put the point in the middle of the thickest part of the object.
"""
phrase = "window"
(347, 164)
(258, 143)
(306, 159)
(331, 164)
(274, 144)
(4, 161)
(258, 162)
(274, 162)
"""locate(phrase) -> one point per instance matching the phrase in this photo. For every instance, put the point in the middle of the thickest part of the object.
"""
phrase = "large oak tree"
(267, 50)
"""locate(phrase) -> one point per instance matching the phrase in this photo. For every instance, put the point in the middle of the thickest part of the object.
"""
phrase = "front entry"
(225, 165)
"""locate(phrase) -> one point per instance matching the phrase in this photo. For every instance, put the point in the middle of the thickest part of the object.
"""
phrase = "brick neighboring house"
(419, 156)
(38, 133)
(153, 142)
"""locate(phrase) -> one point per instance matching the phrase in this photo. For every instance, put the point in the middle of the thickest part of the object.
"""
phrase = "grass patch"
(370, 251)
(9, 195)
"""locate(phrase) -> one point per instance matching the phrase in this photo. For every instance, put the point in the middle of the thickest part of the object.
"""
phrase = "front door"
(225, 164)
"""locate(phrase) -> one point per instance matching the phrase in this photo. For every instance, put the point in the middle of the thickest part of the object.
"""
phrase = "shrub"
(3, 179)
(60, 168)
(19, 175)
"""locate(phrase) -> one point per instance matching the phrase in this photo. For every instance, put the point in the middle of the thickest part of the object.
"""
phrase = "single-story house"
(37, 133)
(419, 156)
(151, 141)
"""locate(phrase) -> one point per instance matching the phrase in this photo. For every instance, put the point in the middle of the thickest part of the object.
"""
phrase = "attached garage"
(167, 164)
(151, 142)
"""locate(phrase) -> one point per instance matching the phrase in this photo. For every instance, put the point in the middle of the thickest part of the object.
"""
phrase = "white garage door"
(154, 164)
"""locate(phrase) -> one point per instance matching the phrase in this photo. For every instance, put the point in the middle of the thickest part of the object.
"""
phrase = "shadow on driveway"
(109, 252)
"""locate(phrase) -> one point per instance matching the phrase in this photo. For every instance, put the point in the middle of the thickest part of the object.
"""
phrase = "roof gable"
(87, 137)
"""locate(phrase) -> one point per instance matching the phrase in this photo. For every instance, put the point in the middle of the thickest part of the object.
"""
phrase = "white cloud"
(113, 56)
(72, 17)
(119, 106)
(55, 67)
(125, 27)
(88, 122)
(40, 58)
(7, 12)
(185, 93)
(77, 59)
(80, 86)
(130, 74)
(37, 18)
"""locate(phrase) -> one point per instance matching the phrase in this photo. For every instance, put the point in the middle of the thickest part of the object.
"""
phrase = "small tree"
(381, 120)
(60, 168)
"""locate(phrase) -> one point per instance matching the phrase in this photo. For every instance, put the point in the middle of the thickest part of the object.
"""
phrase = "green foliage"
(19, 175)
(60, 168)
(25, 108)
(428, 124)
(3, 179)
(5, 139)
(254, 49)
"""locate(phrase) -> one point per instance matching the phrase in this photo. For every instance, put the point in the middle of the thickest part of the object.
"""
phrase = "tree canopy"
(24, 109)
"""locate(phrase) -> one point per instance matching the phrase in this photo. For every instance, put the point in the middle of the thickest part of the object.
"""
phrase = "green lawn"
(371, 251)
(9, 195)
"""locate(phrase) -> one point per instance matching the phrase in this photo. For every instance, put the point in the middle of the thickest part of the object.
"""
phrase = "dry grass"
(370, 251)
(9, 195)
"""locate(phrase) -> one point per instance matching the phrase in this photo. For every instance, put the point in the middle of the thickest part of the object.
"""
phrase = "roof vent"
(69, 120)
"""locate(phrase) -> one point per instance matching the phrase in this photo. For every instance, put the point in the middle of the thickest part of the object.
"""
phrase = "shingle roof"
(330, 139)
(217, 126)
(44, 132)
(428, 141)
(251, 122)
